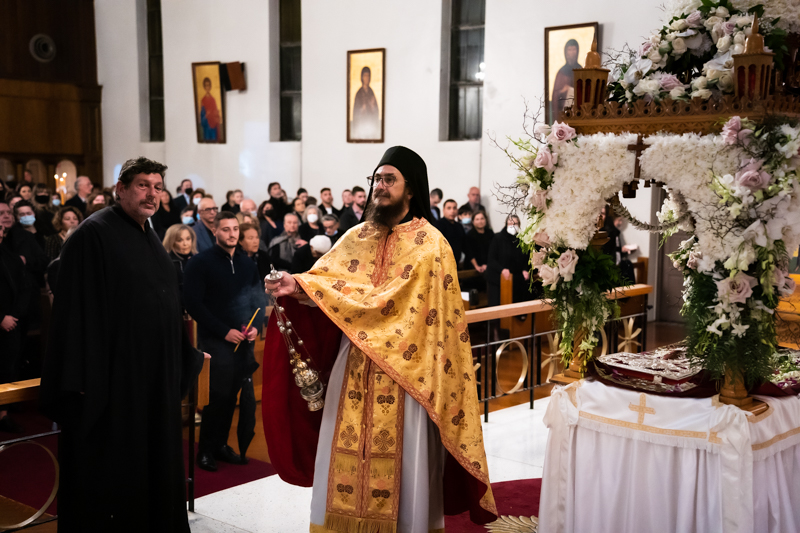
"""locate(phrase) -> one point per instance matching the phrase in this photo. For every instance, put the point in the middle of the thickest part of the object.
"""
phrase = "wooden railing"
(534, 329)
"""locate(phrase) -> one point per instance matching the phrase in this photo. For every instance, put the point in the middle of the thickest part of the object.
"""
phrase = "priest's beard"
(385, 215)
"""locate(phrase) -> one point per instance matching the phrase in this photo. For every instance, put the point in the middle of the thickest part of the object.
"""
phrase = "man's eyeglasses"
(210, 210)
(387, 179)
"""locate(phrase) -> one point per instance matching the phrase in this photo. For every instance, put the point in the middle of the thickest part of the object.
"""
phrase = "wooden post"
(733, 392)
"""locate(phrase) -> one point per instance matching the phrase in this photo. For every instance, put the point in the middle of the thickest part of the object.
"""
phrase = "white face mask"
(196, 201)
(313, 218)
(512, 230)
(254, 214)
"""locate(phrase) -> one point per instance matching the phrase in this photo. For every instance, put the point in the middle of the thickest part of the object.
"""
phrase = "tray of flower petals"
(665, 370)
(785, 379)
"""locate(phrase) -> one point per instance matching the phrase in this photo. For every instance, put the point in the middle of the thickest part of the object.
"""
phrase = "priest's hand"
(282, 287)
(206, 355)
(506, 273)
(8, 323)
(235, 336)
(526, 275)
(251, 334)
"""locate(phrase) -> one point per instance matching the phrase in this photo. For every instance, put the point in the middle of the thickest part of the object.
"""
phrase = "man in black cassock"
(119, 362)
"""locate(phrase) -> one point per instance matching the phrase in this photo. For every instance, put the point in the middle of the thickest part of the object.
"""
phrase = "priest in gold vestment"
(399, 443)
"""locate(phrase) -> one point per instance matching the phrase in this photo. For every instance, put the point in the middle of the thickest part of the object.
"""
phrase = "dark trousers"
(10, 354)
(230, 373)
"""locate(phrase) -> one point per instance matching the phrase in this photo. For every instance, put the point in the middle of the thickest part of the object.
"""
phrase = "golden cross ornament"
(642, 408)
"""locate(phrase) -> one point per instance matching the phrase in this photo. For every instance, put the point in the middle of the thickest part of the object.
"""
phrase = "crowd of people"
(287, 233)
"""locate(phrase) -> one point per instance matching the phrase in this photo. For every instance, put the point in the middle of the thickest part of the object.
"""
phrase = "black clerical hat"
(415, 172)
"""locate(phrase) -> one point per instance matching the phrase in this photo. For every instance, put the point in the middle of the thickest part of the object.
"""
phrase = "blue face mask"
(56, 202)
(197, 216)
(27, 220)
(188, 219)
(466, 221)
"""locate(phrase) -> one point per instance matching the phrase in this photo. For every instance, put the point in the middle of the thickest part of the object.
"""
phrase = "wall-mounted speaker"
(42, 48)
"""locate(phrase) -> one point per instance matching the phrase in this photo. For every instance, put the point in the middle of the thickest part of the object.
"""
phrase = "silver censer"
(305, 377)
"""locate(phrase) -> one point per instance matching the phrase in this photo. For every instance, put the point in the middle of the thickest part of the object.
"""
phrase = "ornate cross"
(639, 147)
(642, 408)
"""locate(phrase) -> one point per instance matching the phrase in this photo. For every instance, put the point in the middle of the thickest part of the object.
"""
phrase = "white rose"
(725, 82)
(679, 25)
(711, 21)
(705, 94)
(670, 36)
(739, 37)
(651, 87)
(549, 275)
(700, 83)
(723, 12)
(724, 43)
(713, 74)
(737, 49)
(677, 93)
(679, 46)
(542, 129)
(654, 55)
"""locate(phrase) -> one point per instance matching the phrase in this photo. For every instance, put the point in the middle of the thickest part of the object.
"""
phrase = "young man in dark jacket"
(222, 290)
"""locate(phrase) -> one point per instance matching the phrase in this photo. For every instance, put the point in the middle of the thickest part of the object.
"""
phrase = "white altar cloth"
(623, 461)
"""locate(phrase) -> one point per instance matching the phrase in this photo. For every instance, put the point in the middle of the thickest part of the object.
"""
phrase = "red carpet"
(515, 498)
(227, 475)
(26, 472)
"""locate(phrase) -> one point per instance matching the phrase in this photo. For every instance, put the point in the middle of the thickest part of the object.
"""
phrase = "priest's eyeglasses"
(387, 179)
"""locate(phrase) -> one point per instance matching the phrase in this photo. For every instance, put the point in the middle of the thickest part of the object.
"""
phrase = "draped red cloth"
(292, 431)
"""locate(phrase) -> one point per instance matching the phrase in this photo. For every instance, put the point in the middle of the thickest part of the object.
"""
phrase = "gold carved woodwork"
(752, 70)
(674, 116)
(591, 82)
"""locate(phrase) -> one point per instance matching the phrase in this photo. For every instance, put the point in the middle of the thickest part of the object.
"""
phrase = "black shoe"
(9, 426)
(227, 455)
(206, 461)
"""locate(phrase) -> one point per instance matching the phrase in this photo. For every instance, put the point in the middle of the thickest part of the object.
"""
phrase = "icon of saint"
(366, 116)
(564, 86)
(210, 118)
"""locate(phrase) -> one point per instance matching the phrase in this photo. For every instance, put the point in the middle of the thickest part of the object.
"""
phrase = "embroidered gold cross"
(642, 408)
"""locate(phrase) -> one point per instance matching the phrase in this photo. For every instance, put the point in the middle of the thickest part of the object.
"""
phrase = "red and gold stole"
(367, 451)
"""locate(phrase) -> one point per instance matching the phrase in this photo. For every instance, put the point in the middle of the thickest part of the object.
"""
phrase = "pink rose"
(566, 264)
(645, 48)
(541, 238)
(694, 259)
(736, 290)
(537, 258)
(669, 82)
(729, 27)
(695, 19)
(546, 159)
(549, 276)
(538, 200)
(752, 177)
(731, 129)
(561, 132)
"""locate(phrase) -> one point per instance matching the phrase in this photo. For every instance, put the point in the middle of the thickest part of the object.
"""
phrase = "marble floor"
(515, 440)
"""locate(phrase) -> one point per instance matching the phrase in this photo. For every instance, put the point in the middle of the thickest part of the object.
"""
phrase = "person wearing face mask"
(197, 195)
(56, 200)
(270, 226)
(465, 218)
(311, 226)
(507, 261)
(26, 217)
(184, 197)
(65, 221)
(44, 210)
(248, 207)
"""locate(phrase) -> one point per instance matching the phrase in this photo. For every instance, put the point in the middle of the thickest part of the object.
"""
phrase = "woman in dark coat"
(507, 260)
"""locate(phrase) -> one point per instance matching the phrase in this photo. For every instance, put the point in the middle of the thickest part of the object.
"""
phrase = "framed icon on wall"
(366, 82)
(209, 102)
(565, 48)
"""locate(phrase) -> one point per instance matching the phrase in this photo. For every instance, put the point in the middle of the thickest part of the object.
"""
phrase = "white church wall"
(411, 32)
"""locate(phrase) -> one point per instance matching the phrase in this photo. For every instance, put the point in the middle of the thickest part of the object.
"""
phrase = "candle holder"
(305, 377)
